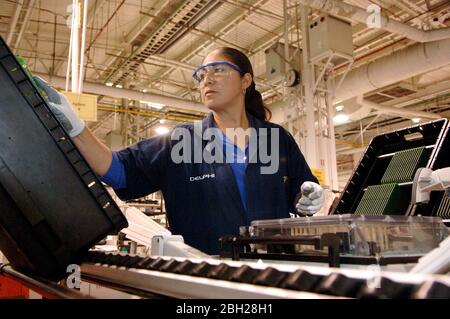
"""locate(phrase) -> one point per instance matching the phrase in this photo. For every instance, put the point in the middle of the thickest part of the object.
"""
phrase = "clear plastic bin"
(365, 235)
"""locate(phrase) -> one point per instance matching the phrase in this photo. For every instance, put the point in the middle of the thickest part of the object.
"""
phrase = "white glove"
(312, 199)
(62, 109)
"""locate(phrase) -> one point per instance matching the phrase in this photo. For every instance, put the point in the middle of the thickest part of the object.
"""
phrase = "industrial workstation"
(291, 149)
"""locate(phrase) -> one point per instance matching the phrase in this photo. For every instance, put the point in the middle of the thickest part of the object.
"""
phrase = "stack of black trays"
(390, 162)
(53, 208)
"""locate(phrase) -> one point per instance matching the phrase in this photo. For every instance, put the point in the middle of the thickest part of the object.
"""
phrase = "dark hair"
(253, 100)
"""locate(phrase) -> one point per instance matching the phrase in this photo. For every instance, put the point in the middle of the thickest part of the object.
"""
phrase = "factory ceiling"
(152, 47)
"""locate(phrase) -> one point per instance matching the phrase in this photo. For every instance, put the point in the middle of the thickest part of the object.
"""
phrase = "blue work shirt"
(203, 200)
(238, 165)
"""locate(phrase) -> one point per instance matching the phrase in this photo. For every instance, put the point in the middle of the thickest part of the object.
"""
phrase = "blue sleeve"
(145, 165)
(115, 176)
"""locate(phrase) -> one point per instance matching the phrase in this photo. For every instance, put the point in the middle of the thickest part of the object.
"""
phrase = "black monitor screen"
(53, 208)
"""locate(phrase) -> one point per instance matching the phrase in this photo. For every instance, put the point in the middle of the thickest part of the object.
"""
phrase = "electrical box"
(276, 63)
(330, 37)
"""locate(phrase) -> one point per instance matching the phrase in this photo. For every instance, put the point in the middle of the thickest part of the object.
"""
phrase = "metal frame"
(44, 287)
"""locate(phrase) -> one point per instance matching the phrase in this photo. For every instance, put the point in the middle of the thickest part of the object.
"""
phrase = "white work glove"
(62, 109)
(312, 199)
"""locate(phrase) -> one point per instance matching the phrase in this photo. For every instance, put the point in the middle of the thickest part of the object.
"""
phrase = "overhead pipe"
(414, 60)
(411, 61)
(69, 56)
(146, 113)
(83, 43)
(401, 65)
(92, 14)
(101, 89)
(75, 40)
(344, 10)
(402, 112)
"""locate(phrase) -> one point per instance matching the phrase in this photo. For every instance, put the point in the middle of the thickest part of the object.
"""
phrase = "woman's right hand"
(62, 109)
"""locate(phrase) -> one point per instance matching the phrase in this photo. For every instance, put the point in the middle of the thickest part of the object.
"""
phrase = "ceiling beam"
(14, 21)
(223, 28)
(25, 23)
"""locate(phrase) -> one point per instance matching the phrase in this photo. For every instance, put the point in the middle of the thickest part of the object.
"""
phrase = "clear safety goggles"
(214, 70)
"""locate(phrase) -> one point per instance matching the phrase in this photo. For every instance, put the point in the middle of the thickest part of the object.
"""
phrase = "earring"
(244, 91)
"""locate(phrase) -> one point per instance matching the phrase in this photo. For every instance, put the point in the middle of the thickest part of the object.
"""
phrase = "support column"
(308, 82)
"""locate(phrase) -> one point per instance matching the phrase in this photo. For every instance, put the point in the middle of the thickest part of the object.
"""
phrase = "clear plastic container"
(366, 235)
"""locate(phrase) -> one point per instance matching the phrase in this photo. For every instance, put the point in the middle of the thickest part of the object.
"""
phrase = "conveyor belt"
(185, 278)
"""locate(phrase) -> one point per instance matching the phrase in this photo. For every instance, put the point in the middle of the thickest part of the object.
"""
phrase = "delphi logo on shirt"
(201, 177)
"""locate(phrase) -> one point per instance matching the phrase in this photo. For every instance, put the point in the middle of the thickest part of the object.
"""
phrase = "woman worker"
(232, 168)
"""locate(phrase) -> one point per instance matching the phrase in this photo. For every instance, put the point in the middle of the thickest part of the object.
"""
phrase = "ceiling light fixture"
(154, 105)
(341, 117)
(161, 130)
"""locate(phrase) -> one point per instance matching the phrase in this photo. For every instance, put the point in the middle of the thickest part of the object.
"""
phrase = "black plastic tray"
(53, 208)
(433, 135)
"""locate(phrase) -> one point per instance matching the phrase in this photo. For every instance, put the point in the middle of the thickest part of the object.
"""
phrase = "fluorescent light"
(162, 121)
(109, 84)
(416, 120)
(161, 130)
(154, 105)
(340, 118)
(119, 86)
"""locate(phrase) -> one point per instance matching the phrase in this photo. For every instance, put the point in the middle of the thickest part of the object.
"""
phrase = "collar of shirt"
(209, 122)
(262, 129)
(239, 155)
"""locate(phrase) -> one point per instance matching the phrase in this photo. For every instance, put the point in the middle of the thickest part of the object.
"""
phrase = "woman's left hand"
(312, 199)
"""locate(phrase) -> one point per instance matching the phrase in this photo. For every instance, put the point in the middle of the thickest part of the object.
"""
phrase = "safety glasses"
(214, 70)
